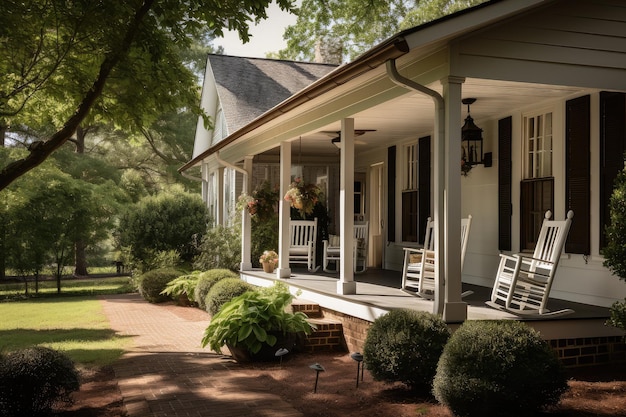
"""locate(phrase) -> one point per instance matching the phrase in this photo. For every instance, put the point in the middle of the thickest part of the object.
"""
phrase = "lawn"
(75, 325)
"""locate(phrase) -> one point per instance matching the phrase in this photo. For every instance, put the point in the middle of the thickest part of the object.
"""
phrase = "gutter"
(394, 75)
(391, 49)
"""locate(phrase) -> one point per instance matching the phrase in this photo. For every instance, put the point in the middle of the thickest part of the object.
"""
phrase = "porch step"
(328, 334)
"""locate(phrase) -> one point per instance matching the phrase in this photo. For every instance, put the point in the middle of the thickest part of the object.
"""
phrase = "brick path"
(167, 373)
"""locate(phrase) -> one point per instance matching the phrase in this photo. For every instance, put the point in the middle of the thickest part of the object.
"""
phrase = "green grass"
(88, 286)
(75, 325)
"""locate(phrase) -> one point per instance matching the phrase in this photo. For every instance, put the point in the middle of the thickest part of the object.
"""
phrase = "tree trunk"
(3, 135)
(80, 140)
(80, 258)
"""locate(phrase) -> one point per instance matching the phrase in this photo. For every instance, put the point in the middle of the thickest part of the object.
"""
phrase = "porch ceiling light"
(471, 139)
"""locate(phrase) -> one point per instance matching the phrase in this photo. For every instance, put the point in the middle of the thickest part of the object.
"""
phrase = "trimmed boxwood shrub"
(498, 368)
(206, 280)
(404, 346)
(223, 291)
(32, 380)
(152, 283)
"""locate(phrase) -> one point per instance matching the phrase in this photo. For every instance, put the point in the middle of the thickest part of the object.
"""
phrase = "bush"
(498, 368)
(224, 291)
(206, 280)
(165, 222)
(152, 283)
(32, 380)
(405, 345)
(220, 247)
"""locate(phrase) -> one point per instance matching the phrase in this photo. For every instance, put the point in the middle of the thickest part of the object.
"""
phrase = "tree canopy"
(358, 25)
(68, 62)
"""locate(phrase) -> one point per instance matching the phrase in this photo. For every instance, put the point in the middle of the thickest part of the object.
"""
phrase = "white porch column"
(454, 309)
(346, 284)
(221, 198)
(283, 270)
(246, 220)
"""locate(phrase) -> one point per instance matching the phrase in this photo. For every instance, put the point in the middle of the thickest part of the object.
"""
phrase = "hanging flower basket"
(303, 197)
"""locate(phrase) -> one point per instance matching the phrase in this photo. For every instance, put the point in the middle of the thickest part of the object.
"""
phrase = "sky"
(267, 36)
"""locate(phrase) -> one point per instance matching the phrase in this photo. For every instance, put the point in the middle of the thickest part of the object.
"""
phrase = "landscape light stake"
(358, 357)
(317, 368)
(280, 353)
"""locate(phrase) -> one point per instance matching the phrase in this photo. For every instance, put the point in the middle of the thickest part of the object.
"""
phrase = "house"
(549, 82)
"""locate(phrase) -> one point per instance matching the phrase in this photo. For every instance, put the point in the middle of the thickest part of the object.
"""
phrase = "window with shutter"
(505, 208)
(612, 146)
(391, 194)
(423, 182)
(578, 173)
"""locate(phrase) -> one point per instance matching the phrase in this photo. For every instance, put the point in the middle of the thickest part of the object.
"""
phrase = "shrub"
(224, 291)
(220, 247)
(32, 380)
(206, 280)
(498, 368)
(164, 222)
(152, 283)
(405, 345)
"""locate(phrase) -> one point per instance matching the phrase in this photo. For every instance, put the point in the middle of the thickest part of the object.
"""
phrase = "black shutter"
(391, 194)
(578, 173)
(505, 207)
(423, 183)
(612, 146)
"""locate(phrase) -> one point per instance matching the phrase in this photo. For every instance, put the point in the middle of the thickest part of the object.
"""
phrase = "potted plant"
(269, 260)
(303, 197)
(255, 324)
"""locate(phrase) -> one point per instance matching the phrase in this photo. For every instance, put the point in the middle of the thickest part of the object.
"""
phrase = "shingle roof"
(248, 87)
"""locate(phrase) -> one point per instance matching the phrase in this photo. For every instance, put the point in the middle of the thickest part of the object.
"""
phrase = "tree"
(358, 25)
(65, 59)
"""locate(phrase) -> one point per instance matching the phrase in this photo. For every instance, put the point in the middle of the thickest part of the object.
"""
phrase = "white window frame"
(538, 137)
(409, 167)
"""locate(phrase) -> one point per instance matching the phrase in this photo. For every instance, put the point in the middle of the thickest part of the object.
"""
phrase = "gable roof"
(248, 87)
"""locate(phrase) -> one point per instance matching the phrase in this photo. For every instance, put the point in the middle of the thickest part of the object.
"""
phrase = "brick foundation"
(590, 351)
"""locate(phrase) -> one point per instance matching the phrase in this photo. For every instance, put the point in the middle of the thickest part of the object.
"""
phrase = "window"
(537, 188)
(409, 194)
(538, 142)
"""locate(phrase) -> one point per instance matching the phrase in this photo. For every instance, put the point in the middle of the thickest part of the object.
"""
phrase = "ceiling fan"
(357, 132)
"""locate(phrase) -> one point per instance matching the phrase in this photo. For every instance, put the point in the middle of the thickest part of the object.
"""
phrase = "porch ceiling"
(412, 114)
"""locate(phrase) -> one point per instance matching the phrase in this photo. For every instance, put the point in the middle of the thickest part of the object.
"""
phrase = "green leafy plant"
(32, 380)
(405, 345)
(224, 291)
(183, 286)
(220, 247)
(498, 368)
(253, 319)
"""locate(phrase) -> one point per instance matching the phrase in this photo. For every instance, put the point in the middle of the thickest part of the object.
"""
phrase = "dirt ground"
(593, 392)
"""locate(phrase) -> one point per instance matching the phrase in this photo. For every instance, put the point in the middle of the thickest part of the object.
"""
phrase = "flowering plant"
(303, 196)
(269, 256)
(262, 202)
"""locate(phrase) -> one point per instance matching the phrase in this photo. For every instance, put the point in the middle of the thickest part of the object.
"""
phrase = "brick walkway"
(167, 373)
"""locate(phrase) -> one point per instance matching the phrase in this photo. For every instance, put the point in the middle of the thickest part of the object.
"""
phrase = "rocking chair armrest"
(517, 257)
(414, 250)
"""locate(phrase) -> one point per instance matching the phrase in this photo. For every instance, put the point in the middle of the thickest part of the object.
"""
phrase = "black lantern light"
(471, 139)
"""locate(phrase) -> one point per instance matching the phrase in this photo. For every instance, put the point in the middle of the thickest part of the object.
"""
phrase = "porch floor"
(378, 291)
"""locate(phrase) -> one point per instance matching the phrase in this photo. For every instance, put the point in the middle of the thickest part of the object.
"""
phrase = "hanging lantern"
(471, 139)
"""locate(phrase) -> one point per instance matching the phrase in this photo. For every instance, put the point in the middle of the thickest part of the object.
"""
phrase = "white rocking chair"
(418, 273)
(523, 282)
(332, 249)
(302, 240)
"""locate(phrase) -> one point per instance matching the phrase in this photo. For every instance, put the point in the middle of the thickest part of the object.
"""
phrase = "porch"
(580, 338)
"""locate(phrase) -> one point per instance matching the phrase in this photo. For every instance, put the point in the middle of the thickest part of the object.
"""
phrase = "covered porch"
(581, 335)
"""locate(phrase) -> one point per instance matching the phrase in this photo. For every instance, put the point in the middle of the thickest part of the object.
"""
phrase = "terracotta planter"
(267, 352)
(268, 267)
